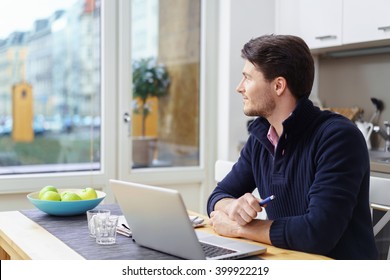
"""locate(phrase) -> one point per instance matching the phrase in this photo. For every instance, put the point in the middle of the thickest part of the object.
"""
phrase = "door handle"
(384, 28)
(126, 118)
(326, 37)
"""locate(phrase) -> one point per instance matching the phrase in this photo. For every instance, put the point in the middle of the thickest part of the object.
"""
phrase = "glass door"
(162, 112)
(162, 109)
(165, 57)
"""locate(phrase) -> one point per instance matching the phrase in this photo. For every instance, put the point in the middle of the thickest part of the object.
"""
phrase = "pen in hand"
(266, 200)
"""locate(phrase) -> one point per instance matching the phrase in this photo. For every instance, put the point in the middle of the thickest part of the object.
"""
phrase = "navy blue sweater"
(319, 174)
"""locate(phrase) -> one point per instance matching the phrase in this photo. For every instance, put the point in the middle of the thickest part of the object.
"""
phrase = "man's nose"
(240, 88)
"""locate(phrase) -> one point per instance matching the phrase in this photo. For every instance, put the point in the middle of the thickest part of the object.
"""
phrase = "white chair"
(380, 200)
(222, 168)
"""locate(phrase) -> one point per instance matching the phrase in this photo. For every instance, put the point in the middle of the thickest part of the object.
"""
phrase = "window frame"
(20, 183)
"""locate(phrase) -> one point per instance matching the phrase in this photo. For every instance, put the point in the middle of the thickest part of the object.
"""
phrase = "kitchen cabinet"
(321, 22)
(286, 17)
(318, 22)
(333, 23)
(365, 21)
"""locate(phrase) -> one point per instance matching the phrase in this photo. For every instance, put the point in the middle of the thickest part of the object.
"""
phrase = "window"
(50, 111)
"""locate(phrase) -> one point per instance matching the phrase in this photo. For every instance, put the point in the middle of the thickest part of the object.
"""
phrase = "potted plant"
(150, 79)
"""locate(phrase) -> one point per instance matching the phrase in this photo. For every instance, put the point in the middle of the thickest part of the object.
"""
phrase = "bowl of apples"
(65, 202)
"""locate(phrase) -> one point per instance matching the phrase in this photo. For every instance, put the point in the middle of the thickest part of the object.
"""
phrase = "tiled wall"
(352, 81)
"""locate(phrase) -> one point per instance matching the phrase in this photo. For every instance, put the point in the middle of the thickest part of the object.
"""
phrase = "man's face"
(257, 93)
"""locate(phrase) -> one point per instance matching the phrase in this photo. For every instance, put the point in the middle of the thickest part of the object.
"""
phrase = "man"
(314, 162)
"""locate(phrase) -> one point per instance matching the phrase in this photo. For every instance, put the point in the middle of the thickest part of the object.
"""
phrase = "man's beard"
(265, 111)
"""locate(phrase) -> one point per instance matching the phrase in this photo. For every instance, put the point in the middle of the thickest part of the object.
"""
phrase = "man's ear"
(280, 85)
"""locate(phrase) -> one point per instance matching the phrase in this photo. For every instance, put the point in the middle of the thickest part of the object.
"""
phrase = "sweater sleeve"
(337, 197)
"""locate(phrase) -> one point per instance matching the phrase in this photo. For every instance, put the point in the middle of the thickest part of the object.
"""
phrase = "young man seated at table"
(314, 162)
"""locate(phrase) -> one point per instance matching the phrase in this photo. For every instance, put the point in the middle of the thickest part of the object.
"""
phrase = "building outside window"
(57, 61)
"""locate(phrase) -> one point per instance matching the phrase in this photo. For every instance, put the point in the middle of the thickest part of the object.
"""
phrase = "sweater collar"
(298, 121)
(301, 118)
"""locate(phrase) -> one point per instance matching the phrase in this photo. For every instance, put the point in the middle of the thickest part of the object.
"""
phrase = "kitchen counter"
(379, 161)
(380, 167)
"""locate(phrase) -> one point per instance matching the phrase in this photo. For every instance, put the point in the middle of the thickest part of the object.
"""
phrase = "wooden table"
(23, 239)
(275, 253)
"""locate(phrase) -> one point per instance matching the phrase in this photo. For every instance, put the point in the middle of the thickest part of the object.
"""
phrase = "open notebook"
(159, 220)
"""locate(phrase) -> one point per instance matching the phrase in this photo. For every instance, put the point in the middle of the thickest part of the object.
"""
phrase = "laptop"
(159, 220)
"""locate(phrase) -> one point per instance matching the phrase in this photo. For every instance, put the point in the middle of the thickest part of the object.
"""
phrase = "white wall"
(240, 20)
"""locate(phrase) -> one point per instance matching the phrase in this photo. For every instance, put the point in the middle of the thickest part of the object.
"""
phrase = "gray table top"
(73, 231)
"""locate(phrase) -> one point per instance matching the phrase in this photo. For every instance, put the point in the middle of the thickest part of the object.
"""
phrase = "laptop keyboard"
(212, 251)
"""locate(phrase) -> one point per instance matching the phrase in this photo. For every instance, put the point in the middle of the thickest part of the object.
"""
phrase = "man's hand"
(223, 225)
(257, 230)
(242, 210)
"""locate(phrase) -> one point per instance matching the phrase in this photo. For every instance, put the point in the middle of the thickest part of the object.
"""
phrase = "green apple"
(45, 189)
(51, 195)
(70, 196)
(63, 193)
(88, 193)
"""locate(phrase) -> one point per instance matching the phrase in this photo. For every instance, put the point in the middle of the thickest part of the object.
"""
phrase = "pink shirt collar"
(273, 136)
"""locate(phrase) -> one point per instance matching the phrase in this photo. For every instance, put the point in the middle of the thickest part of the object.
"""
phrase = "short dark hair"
(283, 56)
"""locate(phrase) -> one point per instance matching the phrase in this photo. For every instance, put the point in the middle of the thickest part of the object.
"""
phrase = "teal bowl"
(65, 208)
